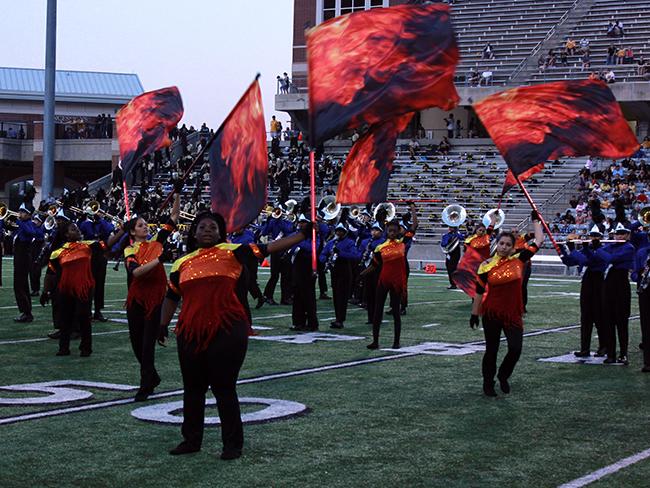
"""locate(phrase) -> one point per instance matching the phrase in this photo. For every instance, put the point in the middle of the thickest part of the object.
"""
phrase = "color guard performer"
(500, 280)
(213, 327)
(147, 284)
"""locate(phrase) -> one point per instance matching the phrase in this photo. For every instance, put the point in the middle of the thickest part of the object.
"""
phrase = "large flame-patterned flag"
(239, 162)
(534, 124)
(371, 66)
(364, 178)
(144, 123)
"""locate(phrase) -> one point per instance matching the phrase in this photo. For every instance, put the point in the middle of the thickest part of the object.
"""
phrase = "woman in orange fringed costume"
(477, 250)
(213, 326)
(390, 257)
(499, 300)
(147, 284)
(70, 276)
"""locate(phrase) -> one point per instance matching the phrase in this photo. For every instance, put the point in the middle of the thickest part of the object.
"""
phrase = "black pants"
(514, 335)
(341, 282)
(36, 268)
(22, 265)
(370, 293)
(216, 367)
(285, 278)
(451, 263)
(592, 298)
(644, 312)
(143, 333)
(278, 265)
(322, 278)
(98, 268)
(528, 269)
(405, 295)
(303, 311)
(73, 312)
(617, 312)
(378, 315)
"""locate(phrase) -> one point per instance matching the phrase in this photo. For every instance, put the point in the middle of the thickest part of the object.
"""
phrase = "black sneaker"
(600, 353)
(260, 303)
(504, 385)
(230, 454)
(99, 317)
(61, 352)
(270, 301)
(24, 318)
(85, 354)
(184, 448)
(582, 354)
(142, 394)
(488, 389)
(298, 328)
(452, 287)
(645, 369)
(55, 334)
(336, 325)
(623, 360)
(373, 345)
(609, 361)
(396, 345)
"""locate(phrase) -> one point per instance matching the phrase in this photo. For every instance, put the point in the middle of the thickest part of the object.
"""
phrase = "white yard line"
(607, 470)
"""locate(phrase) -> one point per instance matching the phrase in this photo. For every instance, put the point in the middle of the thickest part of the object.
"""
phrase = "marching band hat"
(377, 226)
(38, 217)
(24, 208)
(621, 229)
(340, 226)
(303, 218)
(595, 231)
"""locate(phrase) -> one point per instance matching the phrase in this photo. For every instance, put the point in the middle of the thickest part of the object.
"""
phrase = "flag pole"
(209, 142)
(312, 182)
(544, 224)
(126, 201)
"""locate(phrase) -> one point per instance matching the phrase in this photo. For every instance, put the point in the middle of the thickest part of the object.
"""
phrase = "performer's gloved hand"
(595, 244)
(163, 333)
(473, 321)
(534, 216)
(45, 298)
(306, 230)
(178, 186)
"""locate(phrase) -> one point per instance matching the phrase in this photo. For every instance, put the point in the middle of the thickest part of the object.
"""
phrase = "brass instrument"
(390, 211)
(5, 212)
(186, 215)
(644, 215)
(277, 213)
(355, 211)
(93, 208)
(454, 215)
(59, 205)
(329, 207)
(291, 217)
(500, 218)
(50, 222)
(290, 206)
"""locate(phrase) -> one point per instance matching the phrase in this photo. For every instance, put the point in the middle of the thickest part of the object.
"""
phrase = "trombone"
(93, 208)
(5, 212)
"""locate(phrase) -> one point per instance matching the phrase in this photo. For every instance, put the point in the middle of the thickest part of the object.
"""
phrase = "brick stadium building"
(85, 149)
(520, 32)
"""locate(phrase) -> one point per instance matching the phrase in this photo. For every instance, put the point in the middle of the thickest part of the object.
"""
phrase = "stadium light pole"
(47, 177)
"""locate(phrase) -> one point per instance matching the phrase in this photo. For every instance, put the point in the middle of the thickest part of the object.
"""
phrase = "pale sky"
(210, 49)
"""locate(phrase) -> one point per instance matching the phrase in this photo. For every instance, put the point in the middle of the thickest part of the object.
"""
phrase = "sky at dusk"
(210, 49)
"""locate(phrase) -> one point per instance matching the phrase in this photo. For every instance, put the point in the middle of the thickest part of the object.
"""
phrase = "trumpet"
(5, 212)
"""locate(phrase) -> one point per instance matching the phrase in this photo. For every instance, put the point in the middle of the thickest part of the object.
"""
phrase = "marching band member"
(390, 258)
(303, 311)
(71, 275)
(338, 255)
(274, 228)
(324, 231)
(450, 244)
(35, 251)
(619, 257)
(502, 308)
(642, 277)
(592, 291)
(370, 279)
(26, 232)
(147, 284)
(213, 327)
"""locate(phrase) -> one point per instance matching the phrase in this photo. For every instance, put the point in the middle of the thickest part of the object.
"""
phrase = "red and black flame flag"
(371, 66)
(534, 124)
(239, 162)
(144, 123)
(364, 178)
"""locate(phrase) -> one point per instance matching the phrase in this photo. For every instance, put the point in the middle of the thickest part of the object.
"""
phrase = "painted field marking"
(571, 358)
(426, 326)
(607, 470)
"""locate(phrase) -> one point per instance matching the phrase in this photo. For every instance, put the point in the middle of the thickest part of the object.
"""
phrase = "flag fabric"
(365, 174)
(534, 124)
(371, 66)
(239, 162)
(144, 123)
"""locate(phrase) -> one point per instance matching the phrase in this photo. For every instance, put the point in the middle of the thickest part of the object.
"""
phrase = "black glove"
(307, 230)
(595, 244)
(473, 321)
(163, 333)
(534, 216)
(44, 299)
(571, 245)
(178, 186)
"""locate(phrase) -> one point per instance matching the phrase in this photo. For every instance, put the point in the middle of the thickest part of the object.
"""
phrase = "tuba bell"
(5, 212)
(500, 218)
(644, 216)
(50, 222)
(454, 215)
(388, 207)
(355, 212)
(92, 208)
(290, 205)
(329, 207)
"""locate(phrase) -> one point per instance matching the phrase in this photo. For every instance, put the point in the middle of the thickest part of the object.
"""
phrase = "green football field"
(348, 417)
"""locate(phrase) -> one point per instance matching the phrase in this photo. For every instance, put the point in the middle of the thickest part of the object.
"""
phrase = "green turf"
(412, 421)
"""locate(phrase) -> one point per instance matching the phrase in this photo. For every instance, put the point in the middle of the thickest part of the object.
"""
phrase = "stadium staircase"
(593, 27)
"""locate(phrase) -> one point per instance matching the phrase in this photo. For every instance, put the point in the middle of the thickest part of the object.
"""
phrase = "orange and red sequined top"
(71, 263)
(147, 290)
(501, 281)
(213, 287)
(481, 243)
(390, 256)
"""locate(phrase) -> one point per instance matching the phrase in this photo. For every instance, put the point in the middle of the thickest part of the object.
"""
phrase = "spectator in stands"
(611, 54)
(610, 76)
(275, 127)
(473, 77)
(541, 64)
(584, 45)
(628, 56)
(641, 66)
(488, 52)
(459, 128)
(564, 59)
(620, 54)
(414, 146)
(11, 133)
(570, 46)
(450, 125)
(444, 146)
(486, 78)
(618, 29)
(610, 29)
(550, 58)
(586, 60)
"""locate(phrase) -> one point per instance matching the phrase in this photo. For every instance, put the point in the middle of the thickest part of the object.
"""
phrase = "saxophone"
(645, 278)
(331, 259)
